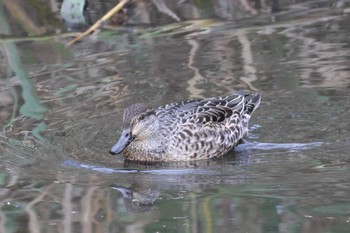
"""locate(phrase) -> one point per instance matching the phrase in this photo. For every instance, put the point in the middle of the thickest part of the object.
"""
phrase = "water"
(61, 112)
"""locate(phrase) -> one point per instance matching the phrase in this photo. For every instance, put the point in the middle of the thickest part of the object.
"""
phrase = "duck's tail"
(252, 101)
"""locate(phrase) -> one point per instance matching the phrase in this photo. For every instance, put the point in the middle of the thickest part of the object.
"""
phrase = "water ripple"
(107, 170)
(274, 146)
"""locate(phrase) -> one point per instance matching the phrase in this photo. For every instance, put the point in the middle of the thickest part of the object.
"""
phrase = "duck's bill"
(123, 141)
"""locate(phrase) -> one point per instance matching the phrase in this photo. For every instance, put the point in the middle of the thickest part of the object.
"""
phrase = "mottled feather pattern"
(195, 129)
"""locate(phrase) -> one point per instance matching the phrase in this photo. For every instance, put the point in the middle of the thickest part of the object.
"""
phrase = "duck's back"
(206, 128)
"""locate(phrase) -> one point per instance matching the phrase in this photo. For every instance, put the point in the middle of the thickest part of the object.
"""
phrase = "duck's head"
(139, 124)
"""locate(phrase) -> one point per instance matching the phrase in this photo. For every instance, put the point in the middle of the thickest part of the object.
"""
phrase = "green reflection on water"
(38, 129)
(2, 178)
(338, 208)
(32, 107)
(65, 89)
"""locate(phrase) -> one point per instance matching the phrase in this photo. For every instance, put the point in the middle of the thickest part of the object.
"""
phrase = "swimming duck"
(188, 130)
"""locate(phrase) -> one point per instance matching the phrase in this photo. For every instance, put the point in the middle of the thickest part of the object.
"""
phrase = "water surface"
(61, 111)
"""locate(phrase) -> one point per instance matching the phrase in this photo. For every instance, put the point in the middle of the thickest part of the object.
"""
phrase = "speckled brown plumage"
(188, 130)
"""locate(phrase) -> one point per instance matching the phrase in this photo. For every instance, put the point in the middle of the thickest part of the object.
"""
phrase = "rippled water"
(60, 112)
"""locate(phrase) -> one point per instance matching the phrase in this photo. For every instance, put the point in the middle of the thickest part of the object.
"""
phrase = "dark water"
(61, 108)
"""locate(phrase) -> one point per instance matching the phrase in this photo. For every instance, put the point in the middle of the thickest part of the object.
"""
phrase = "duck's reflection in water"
(138, 199)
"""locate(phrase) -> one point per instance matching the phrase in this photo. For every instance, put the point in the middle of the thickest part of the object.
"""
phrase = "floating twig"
(100, 22)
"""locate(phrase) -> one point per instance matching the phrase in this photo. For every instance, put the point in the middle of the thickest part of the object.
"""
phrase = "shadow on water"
(60, 111)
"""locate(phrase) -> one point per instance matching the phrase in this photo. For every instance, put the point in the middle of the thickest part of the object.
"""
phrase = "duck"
(187, 130)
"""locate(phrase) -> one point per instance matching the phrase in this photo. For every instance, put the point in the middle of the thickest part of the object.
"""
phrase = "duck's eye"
(142, 116)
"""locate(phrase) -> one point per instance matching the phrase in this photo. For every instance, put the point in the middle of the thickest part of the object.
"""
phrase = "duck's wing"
(172, 109)
(201, 111)
(218, 109)
(215, 109)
